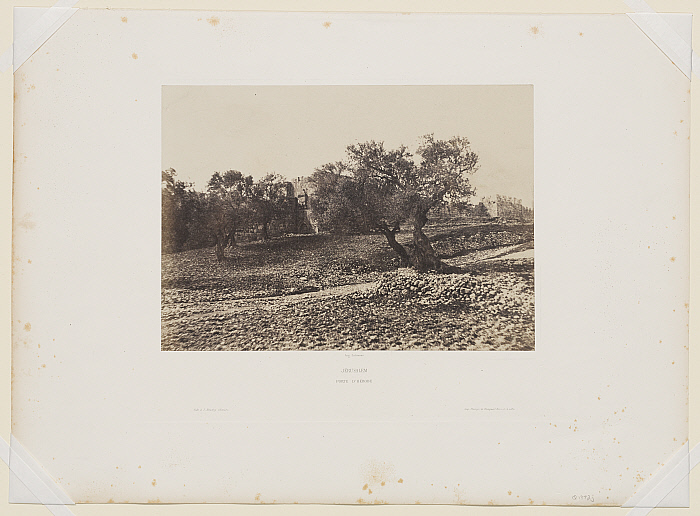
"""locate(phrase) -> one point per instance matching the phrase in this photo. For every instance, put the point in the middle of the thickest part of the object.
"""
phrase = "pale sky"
(291, 130)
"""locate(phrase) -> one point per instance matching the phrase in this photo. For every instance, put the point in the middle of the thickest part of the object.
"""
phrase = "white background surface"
(540, 403)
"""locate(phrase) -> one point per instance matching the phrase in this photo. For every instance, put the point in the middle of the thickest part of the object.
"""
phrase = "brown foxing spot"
(111, 500)
(673, 258)
(364, 487)
(213, 21)
(369, 491)
(383, 483)
(401, 481)
(534, 30)
(510, 493)
(124, 19)
(376, 472)
(153, 483)
(157, 500)
(134, 55)
(327, 24)
(27, 327)
(580, 33)
(257, 497)
(43, 365)
(26, 222)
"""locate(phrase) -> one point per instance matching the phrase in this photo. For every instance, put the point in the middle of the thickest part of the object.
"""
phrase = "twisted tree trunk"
(390, 235)
(424, 257)
(223, 240)
(219, 250)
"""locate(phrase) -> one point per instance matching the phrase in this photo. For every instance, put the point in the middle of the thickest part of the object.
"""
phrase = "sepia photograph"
(364, 218)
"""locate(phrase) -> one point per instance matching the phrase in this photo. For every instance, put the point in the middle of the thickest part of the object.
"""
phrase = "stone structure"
(507, 208)
(301, 189)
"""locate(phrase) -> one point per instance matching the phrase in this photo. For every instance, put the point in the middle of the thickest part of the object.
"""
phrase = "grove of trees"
(373, 190)
(231, 203)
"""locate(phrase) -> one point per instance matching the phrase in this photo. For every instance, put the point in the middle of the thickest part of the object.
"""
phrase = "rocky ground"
(325, 293)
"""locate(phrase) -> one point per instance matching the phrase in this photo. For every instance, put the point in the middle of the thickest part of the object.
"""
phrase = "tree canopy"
(375, 189)
(176, 211)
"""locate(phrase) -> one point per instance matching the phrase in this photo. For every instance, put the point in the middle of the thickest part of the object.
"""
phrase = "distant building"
(303, 188)
(299, 218)
(506, 208)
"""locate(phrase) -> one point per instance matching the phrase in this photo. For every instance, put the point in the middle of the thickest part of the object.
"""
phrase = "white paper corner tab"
(29, 483)
(670, 32)
(670, 486)
(32, 26)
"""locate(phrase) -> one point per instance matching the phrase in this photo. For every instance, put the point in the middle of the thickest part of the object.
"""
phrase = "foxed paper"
(585, 418)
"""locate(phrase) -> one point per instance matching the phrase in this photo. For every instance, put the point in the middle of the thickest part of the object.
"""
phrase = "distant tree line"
(232, 203)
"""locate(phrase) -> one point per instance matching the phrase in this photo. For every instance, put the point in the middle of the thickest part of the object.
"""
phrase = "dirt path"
(506, 252)
(343, 290)
(269, 304)
(528, 253)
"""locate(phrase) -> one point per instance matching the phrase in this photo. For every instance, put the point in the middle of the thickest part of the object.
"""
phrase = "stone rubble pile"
(479, 293)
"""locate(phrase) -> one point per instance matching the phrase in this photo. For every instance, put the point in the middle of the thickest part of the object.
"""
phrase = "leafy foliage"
(178, 205)
(376, 189)
(227, 206)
